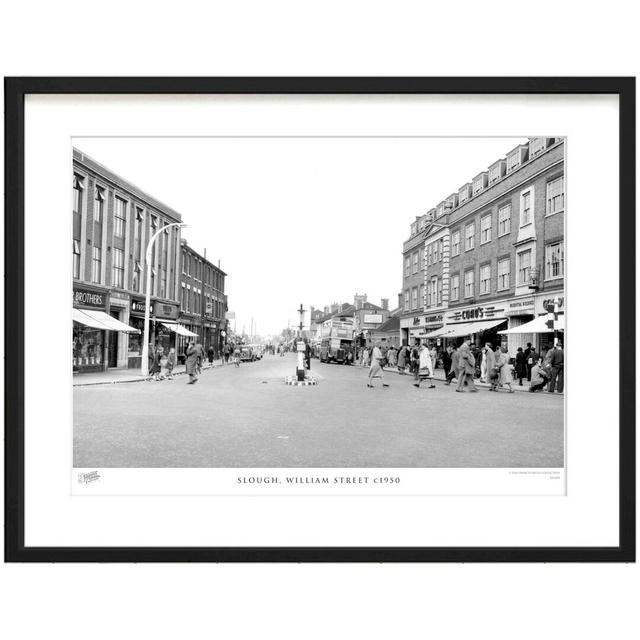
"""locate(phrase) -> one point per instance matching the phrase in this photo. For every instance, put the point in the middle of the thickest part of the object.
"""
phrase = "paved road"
(248, 417)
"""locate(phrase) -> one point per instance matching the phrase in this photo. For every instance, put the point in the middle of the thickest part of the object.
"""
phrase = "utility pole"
(301, 311)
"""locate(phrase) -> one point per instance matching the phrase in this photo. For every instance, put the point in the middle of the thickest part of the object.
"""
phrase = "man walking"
(556, 360)
(455, 365)
(467, 363)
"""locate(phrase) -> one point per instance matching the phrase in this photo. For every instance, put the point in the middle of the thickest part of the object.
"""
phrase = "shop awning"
(537, 325)
(467, 328)
(100, 320)
(179, 329)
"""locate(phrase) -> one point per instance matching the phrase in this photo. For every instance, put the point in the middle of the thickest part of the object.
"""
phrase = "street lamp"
(147, 304)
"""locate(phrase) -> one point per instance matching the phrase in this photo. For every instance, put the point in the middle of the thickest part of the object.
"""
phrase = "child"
(171, 362)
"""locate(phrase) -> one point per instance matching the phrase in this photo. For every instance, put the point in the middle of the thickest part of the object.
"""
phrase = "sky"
(294, 221)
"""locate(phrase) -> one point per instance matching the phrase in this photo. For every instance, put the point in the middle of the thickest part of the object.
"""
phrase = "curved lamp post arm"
(147, 305)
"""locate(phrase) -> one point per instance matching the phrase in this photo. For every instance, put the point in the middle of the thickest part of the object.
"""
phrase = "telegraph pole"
(301, 311)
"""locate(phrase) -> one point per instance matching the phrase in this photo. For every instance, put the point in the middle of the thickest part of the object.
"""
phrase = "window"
(469, 283)
(485, 229)
(96, 265)
(407, 267)
(117, 268)
(524, 266)
(485, 279)
(421, 299)
(429, 255)
(513, 160)
(439, 291)
(185, 262)
(555, 196)
(554, 259)
(415, 262)
(163, 282)
(406, 300)
(537, 145)
(431, 297)
(78, 187)
(188, 306)
(414, 229)
(137, 270)
(455, 287)
(478, 184)
(525, 208)
(504, 274)
(76, 258)
(463, 195)
(98, 205)
(504, 220)
(120, 218)
(469, 236)
(494, 173)
(455, 243)
(414, 298)
(137, 234)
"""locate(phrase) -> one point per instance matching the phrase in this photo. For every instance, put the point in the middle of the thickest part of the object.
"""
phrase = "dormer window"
(496, 171)
(463, 193)
(479, 183)
(537, 145)
(414, 229)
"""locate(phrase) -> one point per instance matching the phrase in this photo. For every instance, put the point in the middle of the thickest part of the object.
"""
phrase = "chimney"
(384, 303)
(359, 300)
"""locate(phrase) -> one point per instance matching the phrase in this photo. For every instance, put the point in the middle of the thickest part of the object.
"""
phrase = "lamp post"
(147, 304)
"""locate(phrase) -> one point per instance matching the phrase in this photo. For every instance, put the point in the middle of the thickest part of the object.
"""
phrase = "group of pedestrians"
(466, 362)
(160, 364)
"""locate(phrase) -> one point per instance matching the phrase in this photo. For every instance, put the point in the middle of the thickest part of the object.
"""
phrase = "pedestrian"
(210, 354)
(433, 353)
(236, 356)
(488, 364)
(154, 362)
(556, 361)
(504, 370)
(199, 357)
(402, 360)
(425, 367)
(392, 356)
(192, 362)
(307, 354)
(539, 377)
(446, 361)
(467, 367)
(455, 364)
(521, 365)
(375, 370)
(414, 366)
(364, 360)
(171, 363)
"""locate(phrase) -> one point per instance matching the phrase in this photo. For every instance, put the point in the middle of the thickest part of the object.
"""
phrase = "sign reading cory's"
(83, 297)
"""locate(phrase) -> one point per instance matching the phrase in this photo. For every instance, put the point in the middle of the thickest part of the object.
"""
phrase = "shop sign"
(209, 308)
(89, 298)
(139, 306)
(430, 321)
(521, 307)
(167, 311)
(475, 313)
(372, 318)
(548, 305)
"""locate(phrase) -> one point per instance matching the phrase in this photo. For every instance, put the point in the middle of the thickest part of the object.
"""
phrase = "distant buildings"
(491, 257)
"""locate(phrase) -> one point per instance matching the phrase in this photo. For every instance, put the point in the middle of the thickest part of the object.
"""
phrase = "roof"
(391, 325)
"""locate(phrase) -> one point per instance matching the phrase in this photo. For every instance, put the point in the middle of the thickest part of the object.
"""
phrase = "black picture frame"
(15, 91)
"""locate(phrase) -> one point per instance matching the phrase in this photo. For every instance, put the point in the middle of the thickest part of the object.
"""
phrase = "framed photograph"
(320, 319)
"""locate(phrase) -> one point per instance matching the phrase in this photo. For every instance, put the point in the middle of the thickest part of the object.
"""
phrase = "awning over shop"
(100, 320)
(465, 328)
(537, 325)
(179, 329)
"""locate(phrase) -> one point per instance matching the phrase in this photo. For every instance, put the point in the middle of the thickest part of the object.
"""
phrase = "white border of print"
(586, 516)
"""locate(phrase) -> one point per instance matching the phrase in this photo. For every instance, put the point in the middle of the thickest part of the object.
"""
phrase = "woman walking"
(402, 360)
(154, 369)
(504, 370)
(191, 363)
(425, 369)
(375, 370)
(171, 362)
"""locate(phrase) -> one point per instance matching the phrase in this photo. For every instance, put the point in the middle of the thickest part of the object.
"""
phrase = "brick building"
(490, 258)
(203, 303)
(112, 223)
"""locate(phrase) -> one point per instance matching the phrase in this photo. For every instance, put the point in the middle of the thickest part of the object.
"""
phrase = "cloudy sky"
(299, 220)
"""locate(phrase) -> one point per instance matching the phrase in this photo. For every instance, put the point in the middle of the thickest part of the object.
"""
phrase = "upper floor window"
(478, 184)
(469, 283)
(78, 187)
(504, 220)
(98, 206)
(76, 258)
(415, 262)
(414, 298)
(469, 236)
(554, 260)
(429, 255)
(120, 218)
(494, 173)
(485, 279)
(455, 243)
(555, 196)
(432, 292)
(117, 268)
(414, 229)
(406, 300)
(513, 160)
(526, 208)
(463, 195)
(485, 229)
(455, 287)
(407, 266)
(537, 145)
(96, 265)
(504, 273)
(524, 266)
(439, 291)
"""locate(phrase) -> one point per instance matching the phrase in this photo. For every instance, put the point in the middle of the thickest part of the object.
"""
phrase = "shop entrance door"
(112, 354)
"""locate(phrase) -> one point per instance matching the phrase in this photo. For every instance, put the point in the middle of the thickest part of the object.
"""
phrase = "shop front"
(94, 329)
(162, 322)
(520, 311)
(481, 322)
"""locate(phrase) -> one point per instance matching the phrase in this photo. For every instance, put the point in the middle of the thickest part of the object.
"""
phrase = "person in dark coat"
(455, 365)
(307, 354)
(521, 365)
(467, 367)
(555, 357)
(192, 363)
(210, 354)
(446, 361)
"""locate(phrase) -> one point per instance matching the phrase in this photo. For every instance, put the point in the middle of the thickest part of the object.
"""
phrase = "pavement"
(248, 417)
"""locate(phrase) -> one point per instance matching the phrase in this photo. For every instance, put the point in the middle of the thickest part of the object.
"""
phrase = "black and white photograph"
(319, 302)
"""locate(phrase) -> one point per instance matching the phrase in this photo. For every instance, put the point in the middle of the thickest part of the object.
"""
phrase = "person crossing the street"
(425, 367)
(467, 367)
(375, 370)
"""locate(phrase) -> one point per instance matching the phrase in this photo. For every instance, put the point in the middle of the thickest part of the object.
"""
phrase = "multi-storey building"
(203, 304)
(490, 258)
(113, 221)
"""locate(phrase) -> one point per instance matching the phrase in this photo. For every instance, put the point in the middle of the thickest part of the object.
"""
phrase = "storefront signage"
(158, 309)
(89, 298)
(138, 306)
(372, 318)
(433, 320)
(549, 304)
(475, 313)
(521, 307)
(209, 308)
